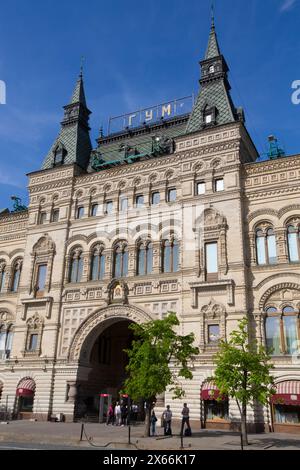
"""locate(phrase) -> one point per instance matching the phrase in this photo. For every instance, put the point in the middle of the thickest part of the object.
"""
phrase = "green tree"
(243, 372)
(158, 357)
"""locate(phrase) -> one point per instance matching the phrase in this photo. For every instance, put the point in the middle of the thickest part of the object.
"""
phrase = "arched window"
(144, 259)
(98, 263)
(293, 238)
(266, 251)
(2, 275)
(76, 267)
(16, 276)
(170, 256)
(120, 260)
(6, 337)
(282, 331)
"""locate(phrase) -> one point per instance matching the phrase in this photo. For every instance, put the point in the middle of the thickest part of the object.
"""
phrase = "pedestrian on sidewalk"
(110, 415)
(124, 413)
(153, 420)
(118, 414)
(185, 421)
(167, 416)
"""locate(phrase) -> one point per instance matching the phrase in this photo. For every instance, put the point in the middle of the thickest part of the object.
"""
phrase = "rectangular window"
(80, 212)
(109, 206)
(124, 204)
(172, 195)
(293, 247)
(139, 200)
(213, 333)
(33, 340)
(155, 198)
(55, 215)
(200, 188)
(94, 210)
(41, 277)
(2, 280)
(43, 217)
(211, 258)
(208, 118)
(219, 185)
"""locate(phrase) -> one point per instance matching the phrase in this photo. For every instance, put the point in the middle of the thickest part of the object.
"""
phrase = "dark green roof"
(74, 135)
(213, 94)
(214, 91)
(213, 49)
(141, 139)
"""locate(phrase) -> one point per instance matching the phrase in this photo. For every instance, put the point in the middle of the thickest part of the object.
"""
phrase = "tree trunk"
(244, 424)
(147, 418)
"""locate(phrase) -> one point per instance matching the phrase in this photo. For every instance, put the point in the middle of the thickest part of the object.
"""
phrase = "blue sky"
(138, 53)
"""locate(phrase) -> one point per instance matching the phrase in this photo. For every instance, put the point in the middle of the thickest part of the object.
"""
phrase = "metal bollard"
(81, 432)
(242, 444)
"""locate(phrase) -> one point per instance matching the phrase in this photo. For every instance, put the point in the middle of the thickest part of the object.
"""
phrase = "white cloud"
(287, 5)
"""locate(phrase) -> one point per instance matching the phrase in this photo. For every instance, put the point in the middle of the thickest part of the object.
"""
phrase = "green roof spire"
(78, 93)
(214, 105)
(213, 48)
(73, 144)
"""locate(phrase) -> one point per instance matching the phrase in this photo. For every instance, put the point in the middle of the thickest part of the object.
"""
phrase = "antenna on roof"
(82, 59)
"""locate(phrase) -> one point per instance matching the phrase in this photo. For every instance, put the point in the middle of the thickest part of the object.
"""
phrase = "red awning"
(210, 391)
(287, 393)
(26, 388)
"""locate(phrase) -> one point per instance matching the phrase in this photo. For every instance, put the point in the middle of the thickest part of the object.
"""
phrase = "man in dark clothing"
(167, 417)
(185, 420)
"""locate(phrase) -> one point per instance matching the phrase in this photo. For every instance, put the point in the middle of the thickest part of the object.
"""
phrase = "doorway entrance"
(107, 364)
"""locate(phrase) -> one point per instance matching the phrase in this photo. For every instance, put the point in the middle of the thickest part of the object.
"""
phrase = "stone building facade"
(175, 215)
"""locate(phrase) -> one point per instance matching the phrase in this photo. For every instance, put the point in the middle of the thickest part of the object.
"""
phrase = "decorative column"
(86, 264)
(282, 250)
(131, 260)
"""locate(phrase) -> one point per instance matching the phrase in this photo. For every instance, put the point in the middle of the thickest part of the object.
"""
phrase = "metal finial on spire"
(212, 13)
(82, 59)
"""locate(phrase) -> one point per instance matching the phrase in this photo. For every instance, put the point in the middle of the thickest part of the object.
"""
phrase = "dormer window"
(59, 155)
(212, 69)
(209, 116)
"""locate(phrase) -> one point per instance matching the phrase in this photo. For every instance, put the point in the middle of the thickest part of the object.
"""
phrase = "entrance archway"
(99, 346)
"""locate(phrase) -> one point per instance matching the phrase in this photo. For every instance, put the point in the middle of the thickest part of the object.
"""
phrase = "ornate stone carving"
(211, 314)
(277, 287)
(117, 292)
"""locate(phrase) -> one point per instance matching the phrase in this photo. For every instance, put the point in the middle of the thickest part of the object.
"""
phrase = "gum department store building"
(173, 214)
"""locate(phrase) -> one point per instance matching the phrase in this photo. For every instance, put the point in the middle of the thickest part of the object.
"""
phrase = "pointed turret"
(214, 105)
(73, 144)
(213, 49)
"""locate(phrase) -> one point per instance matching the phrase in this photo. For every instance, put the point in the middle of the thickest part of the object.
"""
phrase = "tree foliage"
(243, 371)
(158, 358)
(243, 368)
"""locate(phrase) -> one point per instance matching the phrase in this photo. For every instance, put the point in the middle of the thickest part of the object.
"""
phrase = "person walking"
(124, 413)
(118, 414)
(153, 420)
(110, 415)
(167, 417)
(185, 421)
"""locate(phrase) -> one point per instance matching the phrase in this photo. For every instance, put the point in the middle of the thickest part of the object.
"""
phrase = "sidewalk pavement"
(115, 437)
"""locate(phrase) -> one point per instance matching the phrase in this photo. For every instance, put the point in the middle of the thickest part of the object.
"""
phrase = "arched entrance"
(25, 398)
(99, 346)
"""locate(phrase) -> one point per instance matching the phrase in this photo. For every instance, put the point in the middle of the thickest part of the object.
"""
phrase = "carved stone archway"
(290, 286)
(97, 322)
